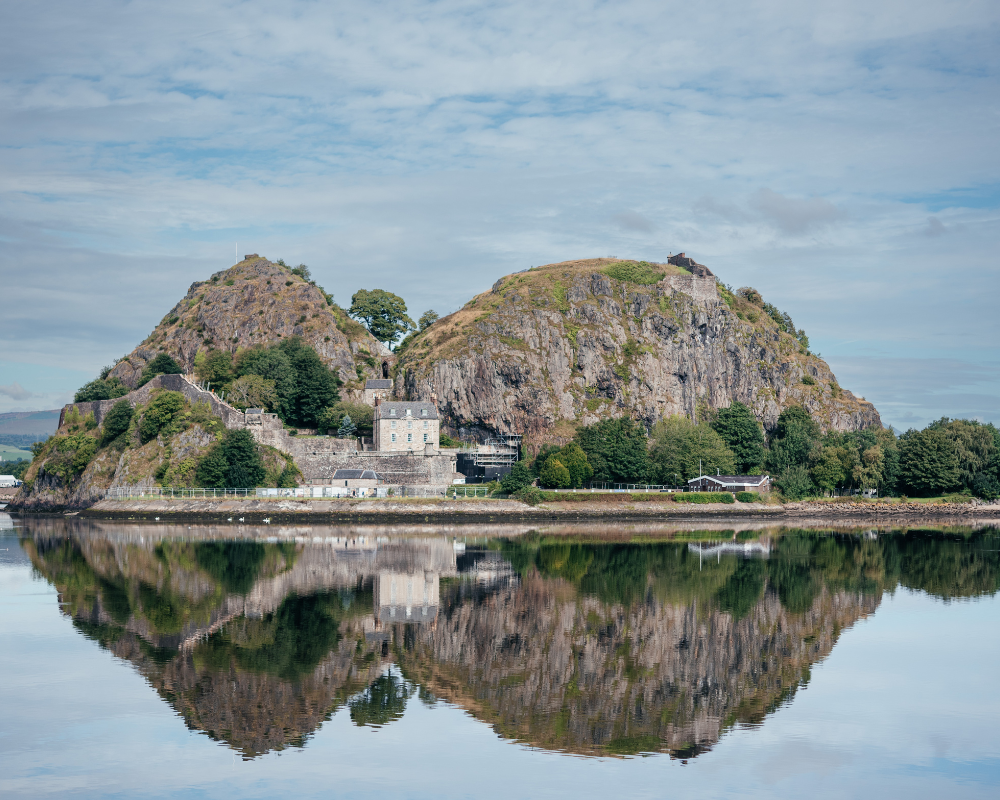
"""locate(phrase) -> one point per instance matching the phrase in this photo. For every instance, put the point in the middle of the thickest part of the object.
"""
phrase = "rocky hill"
(570, 343)
(258, 302)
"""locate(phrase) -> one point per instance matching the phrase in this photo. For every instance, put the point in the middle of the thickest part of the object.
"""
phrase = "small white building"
(355, 478)
(730, 483)
(406, 427)
(8, 482)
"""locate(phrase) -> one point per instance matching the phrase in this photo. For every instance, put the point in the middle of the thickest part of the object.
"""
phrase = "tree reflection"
(382, 702)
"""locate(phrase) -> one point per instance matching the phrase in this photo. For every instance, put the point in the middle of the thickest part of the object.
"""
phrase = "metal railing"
(129, 492)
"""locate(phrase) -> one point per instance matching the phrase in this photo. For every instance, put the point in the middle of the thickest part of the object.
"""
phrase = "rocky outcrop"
(258, 302)
(569, 344)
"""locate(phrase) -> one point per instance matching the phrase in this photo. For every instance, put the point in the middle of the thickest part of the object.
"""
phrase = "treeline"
(948, 456)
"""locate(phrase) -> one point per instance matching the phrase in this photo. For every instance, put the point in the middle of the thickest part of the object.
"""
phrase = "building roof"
(254, 411)
(355, 475)
(378, 383)
(392, 409)
(743, 480)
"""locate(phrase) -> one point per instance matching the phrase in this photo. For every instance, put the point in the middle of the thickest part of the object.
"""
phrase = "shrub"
(641, 273)
(162, 364)
(529, 495)
(518, 478)
(117, 421)
(808, 380)
(100, 389)
(703, 498)
(160, 414)
(748, 497)
(554, 475)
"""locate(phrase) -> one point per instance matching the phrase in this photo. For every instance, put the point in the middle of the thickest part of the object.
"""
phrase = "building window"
(425, 424)
(425, 437)
(409, 423)
(392, 424)
(423, 412)
(392, 412)
(409, 437)
(394, 437)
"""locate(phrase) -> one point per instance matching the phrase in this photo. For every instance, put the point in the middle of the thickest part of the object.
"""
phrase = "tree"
(554, 475)
(975, 445)
(214, 366)
(162, 364)
(212, 469)
(316, 386)
(795, 483)
(245, 469)
(362, 415)
(100, 389)
(382, 312)
(616, 450)
(793, 441)
(159, 414)
(575, 461)
(427, 319)
(682, 450)
(519, 477)
(928, 463)
(116, 421)
(828, 473)
(986, 486)
(253, 391)
(272, 364)
(347, 428)
(302, 271)
(742, 434)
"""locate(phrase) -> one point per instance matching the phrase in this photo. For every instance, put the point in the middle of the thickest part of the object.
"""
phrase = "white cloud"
(16, 392)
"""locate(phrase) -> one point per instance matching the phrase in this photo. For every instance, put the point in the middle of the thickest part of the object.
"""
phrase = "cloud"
(934, 227)
(633, 221)
(795, 215)
(16, 392)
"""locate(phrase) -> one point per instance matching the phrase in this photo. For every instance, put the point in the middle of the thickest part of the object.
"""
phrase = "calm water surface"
(235, 661)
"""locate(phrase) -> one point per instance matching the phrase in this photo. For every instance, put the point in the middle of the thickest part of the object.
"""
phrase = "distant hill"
(21, 428)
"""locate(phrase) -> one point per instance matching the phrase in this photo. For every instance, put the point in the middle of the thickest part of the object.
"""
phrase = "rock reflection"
(571, 645)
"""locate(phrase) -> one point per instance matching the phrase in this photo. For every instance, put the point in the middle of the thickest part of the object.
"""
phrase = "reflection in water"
(573, 645)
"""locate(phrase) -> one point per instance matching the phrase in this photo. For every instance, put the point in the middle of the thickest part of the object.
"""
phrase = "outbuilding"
(8, 481)
(356, 478)
(730, 483)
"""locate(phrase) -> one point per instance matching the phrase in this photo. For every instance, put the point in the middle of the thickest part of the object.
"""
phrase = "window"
(409, 423)
(392, 424)
(409, 437)
(392, 412)
(425, 424)
(423, 412)
(425, 437)
(394, 437)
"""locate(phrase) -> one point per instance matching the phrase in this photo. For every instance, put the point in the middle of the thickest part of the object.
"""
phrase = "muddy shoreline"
(470, 512)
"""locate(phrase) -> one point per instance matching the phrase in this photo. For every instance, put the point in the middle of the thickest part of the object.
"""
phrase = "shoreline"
(415, 510)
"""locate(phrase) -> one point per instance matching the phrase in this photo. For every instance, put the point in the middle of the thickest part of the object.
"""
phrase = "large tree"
(616, 449)
(928, 462)
(382, 312)
(682, 449)
(742, 434)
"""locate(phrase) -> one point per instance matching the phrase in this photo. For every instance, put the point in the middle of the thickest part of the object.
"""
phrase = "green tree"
(362, 415)
(245, 468)
(214, 366)
(302, 271)
(681, 450)
(162, 364)
(100, 389)
(382, 312)
(519, 477)
(554, 475)
(159, 414)
(793, 441)
(928, 462)
(975, 445)
(795, 483)
(273, 364)
(742, 434)
(427, 319)
(212, 469)
(253, 391)
(828, 472)
(316, 386)
(347, 428)
(616, 450)
(575, 460)
(116, 421)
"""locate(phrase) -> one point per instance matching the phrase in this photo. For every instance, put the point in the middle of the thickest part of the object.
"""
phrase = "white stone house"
(355, 478)
(406, 427)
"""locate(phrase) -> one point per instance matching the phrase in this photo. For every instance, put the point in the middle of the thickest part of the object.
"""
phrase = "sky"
(841, 157)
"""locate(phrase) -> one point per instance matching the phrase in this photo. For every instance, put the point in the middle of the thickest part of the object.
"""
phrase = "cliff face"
(257, 302)
(568, 344)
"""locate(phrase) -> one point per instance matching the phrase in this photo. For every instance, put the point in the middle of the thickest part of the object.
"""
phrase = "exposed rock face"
(575, 674)
(252, 303)
(567, 344)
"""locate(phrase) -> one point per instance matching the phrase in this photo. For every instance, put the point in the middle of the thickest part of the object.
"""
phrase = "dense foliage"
(382, 312)
(616, 450)
(233, 463)
(682, 450)
(743, 435)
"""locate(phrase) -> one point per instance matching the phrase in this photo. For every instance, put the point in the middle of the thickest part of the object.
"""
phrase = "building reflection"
(575, 646)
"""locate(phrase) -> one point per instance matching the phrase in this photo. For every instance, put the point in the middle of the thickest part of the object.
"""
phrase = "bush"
(703, 498)
(641, 273)
(160, 414)
(100, 389)
(529, 495)
(986, 486)
(553, 475)
(116, 421)
(748, 497)
(518, 478)
(162, 364)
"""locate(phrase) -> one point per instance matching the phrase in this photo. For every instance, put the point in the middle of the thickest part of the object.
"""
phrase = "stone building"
(355, 478)
(406, 427)
(377, 388)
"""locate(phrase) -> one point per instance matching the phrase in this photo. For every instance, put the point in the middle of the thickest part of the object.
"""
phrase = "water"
(497, 662)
